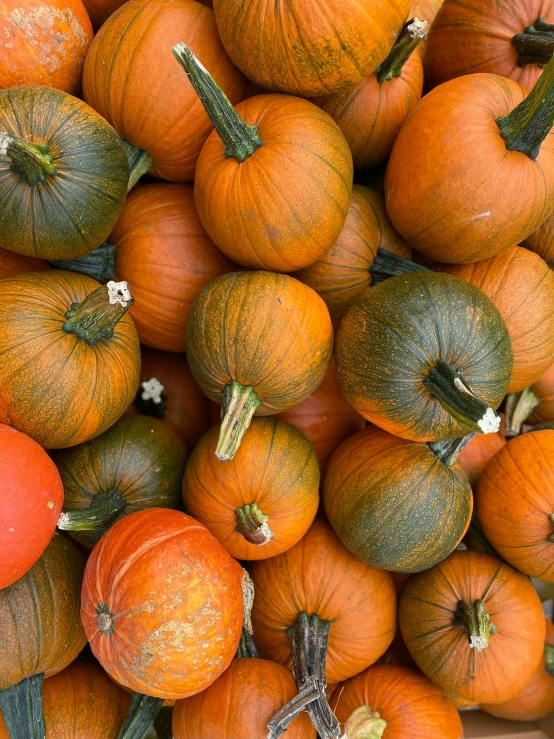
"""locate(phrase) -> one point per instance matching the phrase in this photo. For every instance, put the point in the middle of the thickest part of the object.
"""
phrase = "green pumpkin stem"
(535, 45)
(386, 265)
(448, 451)
(476, 532)
(141, 715)
(150, 400)
(238, 405)
(529, 123)
(103, 510)
(364, 723)
(543, 426)
(163, 723)
(246, 647)
(410, 37)
(549, 658)
(252, 524)
(476, 621)
(96, 317)
(99, 264)
(449, 388)
(519, 407)
(21, 708)
(140, 162)
(240, 139)
(32, 162)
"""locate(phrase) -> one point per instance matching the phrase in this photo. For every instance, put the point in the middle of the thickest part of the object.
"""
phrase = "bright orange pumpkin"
(541, 241)
(543, 389)
(12, 263)
(474, 457)
(100, 10)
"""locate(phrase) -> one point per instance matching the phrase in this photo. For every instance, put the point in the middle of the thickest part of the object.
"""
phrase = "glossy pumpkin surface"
(543, 389)
(319, 576)
(441, 647)
(475, 456)
(541, 241)
(73, 210)
(12, 263)
(162, 604)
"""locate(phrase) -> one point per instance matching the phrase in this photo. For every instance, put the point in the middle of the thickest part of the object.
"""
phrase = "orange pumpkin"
(541, 241)
(480, 450)
(12, 263)
(543, 390)
(100, 10)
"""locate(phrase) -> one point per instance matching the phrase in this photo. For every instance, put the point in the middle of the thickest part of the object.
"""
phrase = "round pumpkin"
(474, 625)
(416, 351)
(543, 390)
(12, 263)
(541, 241)
(63, 174)
(78, 368)
(479, 451)
(32, 497)
(265, 500)
(162, 604)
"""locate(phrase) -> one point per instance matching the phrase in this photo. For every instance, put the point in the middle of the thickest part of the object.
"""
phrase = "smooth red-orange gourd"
(543, 389)
(474, 457)
(100, 10)
(11, 263)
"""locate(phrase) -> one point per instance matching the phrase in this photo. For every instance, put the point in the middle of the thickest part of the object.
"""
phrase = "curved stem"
(140, 162)
(246, 647)
(163, 723)
(150, 400)
(141, 715)
(386, 264)
(364, 723)
(447, 451)
(252, 524)
(32, 162)
(281, 720)
(535, 45)
(543, 426)
(21, 707)
(476, 621)
(96, 317)
(99, 264)
(519, 407)
(549, 658)
(238, 405)
(410, 37)
(240, 139)
(103, 510)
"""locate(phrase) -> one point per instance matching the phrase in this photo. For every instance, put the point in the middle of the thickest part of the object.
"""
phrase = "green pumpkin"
(63, 174)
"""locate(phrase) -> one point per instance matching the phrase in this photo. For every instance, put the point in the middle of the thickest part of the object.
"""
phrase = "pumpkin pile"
(276, 367)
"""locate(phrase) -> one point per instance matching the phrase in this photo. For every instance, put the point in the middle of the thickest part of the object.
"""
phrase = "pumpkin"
(78, 368)
(257, 342)
(457, 186)
(142, 95)
(342, 274)
(541, 241)
(371, 113)
(388, 500)
(425, 356)
(515, 503)
(479, 451)
(32, 497)
(395, 701)
(309, 47)
(543, 390)
(474, 626)
(63, 174)
(100, 10)
(470, 36)
(262, 503)
(11, 263)
(40, 632)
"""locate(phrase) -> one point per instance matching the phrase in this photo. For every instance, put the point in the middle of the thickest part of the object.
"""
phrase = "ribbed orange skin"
(284, 206)
(541, 241)
(543, 388)
(12, 263)
(240, 704)
(458, 195)
(146, 96)
(470, 36)
(319, 576)
(44, 42)
(474, 457)
(410, 703)
(176, 599)
(163, 251)
(441, 650)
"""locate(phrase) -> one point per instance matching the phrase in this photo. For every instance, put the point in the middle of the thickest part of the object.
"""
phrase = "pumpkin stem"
(529, 123)
(549, 658)
(410, 37)
(535, 45)
(246, 647)
(364, 724)
(240, 139)
(21, 707)
(96, 317)
(386, 264)
(238, 405)
(141, 715)
(163, 723)
(99, 264)
(140, 162)
(150, 400)
(476, 621)
(448, 386)
(519, 407)
(476, 532)
(280, 721)
(252, 524)
(447, 451)
(540, 426)
(30, 161)
(103, 510)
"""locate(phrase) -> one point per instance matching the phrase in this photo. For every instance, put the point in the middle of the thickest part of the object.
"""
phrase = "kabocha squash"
(289, 217)
(309, 47)
(77, 369)
(12, 263)
(472, 170)
(262, 503)
(479, 451)
(541, 241)
(32, 497)
(142, 95)
(342, 274)
(425, 356)
(474, 626)
(395, 702)
(137, 463)
(40, 633)
(371, 113)
(63, 174)
(257, 343)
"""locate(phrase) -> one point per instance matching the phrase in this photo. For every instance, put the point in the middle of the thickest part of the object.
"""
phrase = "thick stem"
(519, 407)
(143, 711)
(240, 139)
(386, 264)
(32, 162)
(238, 405)
(476, 621)
(139, 163)
(549, 658)
(281, 720)
(99, 264)
(163, 723)
(105, 619)
(21, 707)
(551, 520)
(447, 451)
(96, 317)
(449, 388)
(530, 122)
(364, 724)
(535, 45)
(150, 400)
(103, 510)
(246, 647)
(252, 524)
(407, 42)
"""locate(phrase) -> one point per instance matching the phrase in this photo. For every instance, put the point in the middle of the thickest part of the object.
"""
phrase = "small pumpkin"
(11, 263)
(474, 625)
(479, 451)
(541, 241)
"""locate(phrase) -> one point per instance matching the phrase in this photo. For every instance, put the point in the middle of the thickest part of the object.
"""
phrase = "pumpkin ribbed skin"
(166, 256)
(309, 47)
(543, 389)
(290, 217)
(74, 210)
(319, 576)
(475, 456)
(12, 263)
(174, 599)
(397, 331)
(144, 96)
(442, 650)
(388, 500)
(240, 704)
(342, 274)
(83, 389)
(410, 703)
(541, 241)
(40, 628)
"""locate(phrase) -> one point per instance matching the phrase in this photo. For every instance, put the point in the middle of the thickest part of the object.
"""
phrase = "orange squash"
(543, 390)
(12, 263)
(100, 10)
(541, 241)
(474, 457)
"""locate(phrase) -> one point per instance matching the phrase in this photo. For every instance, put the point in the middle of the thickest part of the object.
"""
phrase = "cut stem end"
(238, 405)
